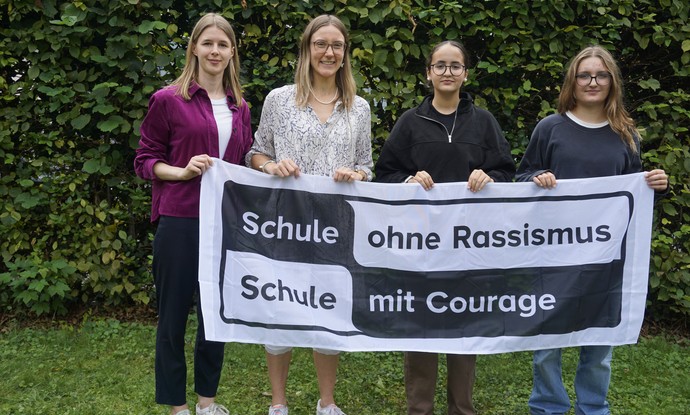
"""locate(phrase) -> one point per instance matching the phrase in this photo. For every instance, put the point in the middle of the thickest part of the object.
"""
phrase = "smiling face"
(592, 93)
(214, 51)
(450, 81)
(325, 63)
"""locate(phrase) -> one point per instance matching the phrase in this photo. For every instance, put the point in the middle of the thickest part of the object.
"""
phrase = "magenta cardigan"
(173, 131)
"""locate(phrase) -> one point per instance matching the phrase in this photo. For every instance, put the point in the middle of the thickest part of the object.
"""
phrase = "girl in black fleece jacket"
(445, 139)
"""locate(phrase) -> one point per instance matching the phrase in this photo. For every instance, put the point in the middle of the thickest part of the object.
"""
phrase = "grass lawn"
(105, 367)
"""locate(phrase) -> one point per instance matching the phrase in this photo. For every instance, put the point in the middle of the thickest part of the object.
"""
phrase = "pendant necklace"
(322, 102)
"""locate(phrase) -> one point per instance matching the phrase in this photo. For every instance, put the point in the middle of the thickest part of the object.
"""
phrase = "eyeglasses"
(602, 78)
(322, 46)
(455, 68)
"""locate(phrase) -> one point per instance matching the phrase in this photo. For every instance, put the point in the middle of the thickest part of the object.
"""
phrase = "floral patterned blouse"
(288, 131)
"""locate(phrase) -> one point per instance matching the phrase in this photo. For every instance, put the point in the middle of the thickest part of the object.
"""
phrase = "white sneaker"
(278, 410)
(184, 412)
(331, 409)
(213, 409)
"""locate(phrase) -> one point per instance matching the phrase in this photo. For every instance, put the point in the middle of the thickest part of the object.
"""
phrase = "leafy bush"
(77, 75)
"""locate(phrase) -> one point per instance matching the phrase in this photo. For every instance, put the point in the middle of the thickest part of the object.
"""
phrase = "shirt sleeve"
(534, 161)
(264, 137)
(393, 165)
(363, 158)
(499, 163)
(247, 122)
(635, 165)
(155, 138)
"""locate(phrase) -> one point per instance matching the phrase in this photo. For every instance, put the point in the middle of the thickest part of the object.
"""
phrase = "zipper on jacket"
(450, 134)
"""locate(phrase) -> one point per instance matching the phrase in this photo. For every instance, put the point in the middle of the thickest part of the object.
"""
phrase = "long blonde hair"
(303, 77)
(190, 72)
(618, 117)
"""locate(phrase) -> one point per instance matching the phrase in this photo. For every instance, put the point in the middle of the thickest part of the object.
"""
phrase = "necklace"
(322, 102)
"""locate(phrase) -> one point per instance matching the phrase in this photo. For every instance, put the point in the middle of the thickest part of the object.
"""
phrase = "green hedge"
(76, 78)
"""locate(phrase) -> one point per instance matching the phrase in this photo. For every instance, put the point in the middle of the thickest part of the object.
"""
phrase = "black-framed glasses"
(601, 78)
(322, 46)
(440, 68)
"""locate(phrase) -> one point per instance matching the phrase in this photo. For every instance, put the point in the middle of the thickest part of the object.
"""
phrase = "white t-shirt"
(585, 123)
(223, 117)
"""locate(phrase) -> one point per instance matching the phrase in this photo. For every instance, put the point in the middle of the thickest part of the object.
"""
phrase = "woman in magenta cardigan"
(201, 115)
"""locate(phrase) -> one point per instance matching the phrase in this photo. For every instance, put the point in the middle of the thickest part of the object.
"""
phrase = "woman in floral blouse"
(316, 126)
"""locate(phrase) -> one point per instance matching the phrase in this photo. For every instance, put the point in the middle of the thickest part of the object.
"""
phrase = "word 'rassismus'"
(466, 237)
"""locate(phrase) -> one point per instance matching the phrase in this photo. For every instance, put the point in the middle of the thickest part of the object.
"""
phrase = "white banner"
(373, 267)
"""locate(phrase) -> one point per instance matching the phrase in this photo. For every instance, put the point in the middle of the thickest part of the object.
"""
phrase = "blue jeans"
(592, 379)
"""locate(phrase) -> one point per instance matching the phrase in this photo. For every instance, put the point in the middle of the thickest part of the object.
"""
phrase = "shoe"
(184, 412)
(331, 409)
(213, 409)
(278, 410)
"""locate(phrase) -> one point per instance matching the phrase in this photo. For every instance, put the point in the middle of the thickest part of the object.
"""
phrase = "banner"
(372, 266)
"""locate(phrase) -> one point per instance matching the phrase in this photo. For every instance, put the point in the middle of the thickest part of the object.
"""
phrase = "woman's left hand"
(477, 180)
(656, 179)
(344, 174)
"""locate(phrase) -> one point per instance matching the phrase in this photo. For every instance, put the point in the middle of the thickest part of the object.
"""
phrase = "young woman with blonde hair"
(201, 115)
(315, 126)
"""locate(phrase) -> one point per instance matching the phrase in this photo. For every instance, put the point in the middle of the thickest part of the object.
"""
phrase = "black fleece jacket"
(418, 142)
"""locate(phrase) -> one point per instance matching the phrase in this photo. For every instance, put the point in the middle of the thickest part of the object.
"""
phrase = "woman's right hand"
(283, 168)
(423, 178)
(196, 166)
(546, 180)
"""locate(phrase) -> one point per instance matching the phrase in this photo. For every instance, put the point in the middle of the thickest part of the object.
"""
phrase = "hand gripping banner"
(370, 266)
